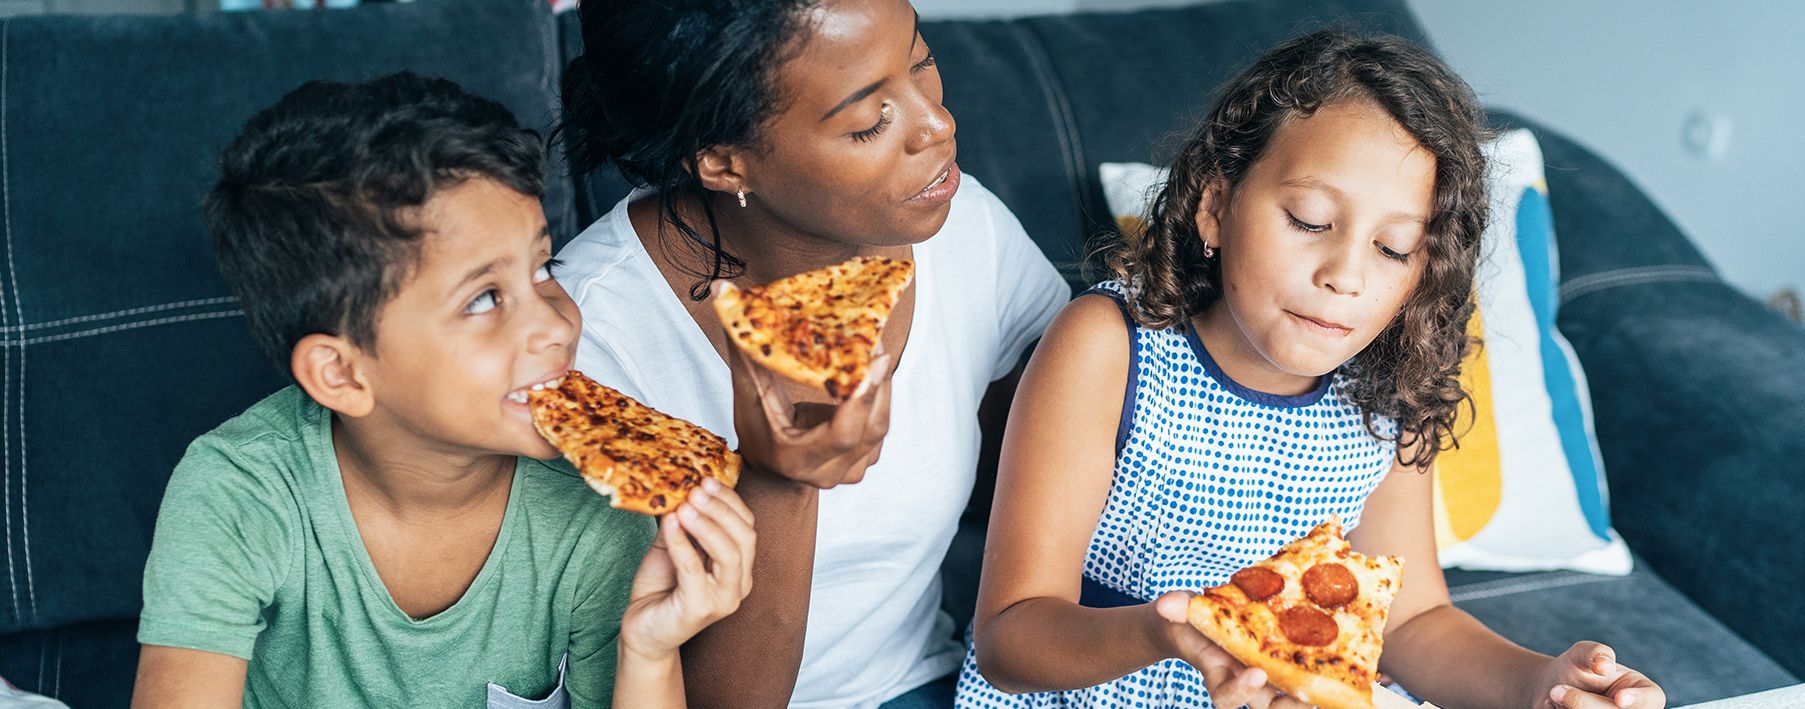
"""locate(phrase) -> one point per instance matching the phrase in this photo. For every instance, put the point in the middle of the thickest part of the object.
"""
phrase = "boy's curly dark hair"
(1410, 371)
(315, 214)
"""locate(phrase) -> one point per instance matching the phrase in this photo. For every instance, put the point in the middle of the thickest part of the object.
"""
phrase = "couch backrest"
(121, 343)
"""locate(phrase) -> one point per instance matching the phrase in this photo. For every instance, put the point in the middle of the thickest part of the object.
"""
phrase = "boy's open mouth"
(518, 396)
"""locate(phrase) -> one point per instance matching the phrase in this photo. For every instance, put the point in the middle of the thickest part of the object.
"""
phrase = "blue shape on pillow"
(1535, 241)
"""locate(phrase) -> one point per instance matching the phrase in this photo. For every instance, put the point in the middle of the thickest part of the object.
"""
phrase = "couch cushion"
(1651, 626)
(121, 344)
(84, 665)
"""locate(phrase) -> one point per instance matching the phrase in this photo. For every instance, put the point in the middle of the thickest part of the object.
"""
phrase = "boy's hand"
(1230, 683)
(679, 589)
(1587, 676)
(833, 446)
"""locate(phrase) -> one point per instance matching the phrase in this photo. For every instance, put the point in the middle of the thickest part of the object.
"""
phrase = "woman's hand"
(833, 447)
(679, 589)
(1230, 683)
(1587, 676)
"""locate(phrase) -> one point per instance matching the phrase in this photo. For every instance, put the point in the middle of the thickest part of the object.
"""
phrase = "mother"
(770, 137)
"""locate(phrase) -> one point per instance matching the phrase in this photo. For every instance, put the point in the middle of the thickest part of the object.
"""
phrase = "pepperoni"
(1330, 585)
(1259, 583)
(1307, 626)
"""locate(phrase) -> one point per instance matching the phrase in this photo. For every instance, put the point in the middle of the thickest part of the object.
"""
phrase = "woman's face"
(861, 151)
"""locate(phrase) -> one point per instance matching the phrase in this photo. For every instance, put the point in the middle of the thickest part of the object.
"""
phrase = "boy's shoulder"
(266, 450)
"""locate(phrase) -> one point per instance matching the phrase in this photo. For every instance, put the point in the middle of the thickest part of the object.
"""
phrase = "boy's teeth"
(517, 396)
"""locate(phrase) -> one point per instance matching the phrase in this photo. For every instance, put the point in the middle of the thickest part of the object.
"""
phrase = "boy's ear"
(1209, 213)
(721, 169)
(330, 369)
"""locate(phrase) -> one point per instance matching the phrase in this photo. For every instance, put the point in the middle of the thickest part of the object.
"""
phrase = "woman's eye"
(1302, 225)
(883, 121)
(483, 303)
(1393, 255)
(925, 62)
(544, 273)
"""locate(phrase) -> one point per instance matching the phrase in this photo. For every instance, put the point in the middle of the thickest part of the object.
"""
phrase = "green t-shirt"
(256, 556)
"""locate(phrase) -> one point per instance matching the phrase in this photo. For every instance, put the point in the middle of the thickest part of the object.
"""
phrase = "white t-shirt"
(984, 291)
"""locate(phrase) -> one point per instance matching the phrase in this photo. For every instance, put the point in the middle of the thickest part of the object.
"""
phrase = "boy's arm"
(179, 677)
(646, 682)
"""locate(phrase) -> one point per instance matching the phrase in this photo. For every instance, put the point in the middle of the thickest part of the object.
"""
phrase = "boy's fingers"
(1575, 698)
(690, 571)
(715, 541)
(727, 496)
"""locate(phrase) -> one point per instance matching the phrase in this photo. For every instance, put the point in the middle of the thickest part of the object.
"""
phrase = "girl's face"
(1320, 245)
(862, 151)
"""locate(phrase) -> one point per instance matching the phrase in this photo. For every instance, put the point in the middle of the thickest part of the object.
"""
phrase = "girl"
(1295, 319)
(770, 137)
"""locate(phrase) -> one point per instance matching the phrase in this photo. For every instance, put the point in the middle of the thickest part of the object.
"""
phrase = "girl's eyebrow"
(1313, 183)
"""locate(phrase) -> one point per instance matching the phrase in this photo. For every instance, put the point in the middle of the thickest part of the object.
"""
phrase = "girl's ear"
(1210, 208)
(721, 169)
(330, 369)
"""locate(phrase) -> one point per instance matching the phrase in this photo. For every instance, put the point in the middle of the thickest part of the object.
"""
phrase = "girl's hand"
(1230, 683)
(679, 589)
(832, 448)
(1587, 676)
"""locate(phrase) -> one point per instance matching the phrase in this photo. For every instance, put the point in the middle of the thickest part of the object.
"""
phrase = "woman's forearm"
(750, 659)
(1051, 644)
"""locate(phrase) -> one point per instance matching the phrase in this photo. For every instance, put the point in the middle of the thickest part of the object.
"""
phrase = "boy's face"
(477, 323)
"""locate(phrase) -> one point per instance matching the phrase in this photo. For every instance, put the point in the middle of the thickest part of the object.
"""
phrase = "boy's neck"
(407, 476)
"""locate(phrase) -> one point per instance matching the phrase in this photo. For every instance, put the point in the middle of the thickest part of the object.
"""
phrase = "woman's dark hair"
(658, 82)
(1410, 372)
(315, 218)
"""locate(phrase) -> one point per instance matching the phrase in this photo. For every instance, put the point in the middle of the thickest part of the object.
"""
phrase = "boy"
(381, 533)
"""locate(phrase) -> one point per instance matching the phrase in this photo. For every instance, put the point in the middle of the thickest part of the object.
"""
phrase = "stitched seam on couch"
(1511, 587)
(1065, 123)
(6, 212)
(1640, 275)
(15, 329)
(191, 317)
(12, 277)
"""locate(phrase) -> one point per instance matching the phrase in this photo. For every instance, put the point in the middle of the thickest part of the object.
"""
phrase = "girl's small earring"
(1208, 250)
(742, 196)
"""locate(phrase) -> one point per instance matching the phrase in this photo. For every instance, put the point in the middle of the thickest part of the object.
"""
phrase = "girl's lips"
(1321, 325)
(941, 190)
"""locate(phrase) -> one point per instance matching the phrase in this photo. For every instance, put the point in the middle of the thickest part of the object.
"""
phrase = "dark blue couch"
(121, 344)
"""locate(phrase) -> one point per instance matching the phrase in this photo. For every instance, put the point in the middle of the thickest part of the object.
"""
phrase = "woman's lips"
(941, 190)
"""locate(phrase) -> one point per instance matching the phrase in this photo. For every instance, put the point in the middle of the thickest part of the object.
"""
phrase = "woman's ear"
(1210, 208)
(721, 169)
(330, 369)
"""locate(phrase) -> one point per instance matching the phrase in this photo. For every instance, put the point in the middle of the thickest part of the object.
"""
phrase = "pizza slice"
(819, 327)
(646, 461)
(1312, 616)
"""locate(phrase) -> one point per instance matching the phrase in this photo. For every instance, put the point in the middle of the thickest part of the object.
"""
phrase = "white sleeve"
(1030, 290)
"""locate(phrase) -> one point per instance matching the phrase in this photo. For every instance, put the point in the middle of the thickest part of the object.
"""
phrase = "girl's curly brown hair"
(1410, 371)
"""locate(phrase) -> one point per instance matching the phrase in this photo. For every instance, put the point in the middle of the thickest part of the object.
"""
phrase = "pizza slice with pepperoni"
(1312, 616)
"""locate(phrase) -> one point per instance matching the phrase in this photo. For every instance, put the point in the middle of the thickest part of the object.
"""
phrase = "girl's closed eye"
(1393, 254)
(1302, 225)
(883, 121)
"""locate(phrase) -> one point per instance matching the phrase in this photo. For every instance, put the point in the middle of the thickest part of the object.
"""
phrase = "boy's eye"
(1306, 226)
(483, 303)
(544, 273)
(883, 121)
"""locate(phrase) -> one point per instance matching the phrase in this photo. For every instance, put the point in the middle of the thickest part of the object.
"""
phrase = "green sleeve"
(601, 601)
(225, 541)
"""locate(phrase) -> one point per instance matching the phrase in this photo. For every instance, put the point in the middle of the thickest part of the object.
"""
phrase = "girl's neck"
(1235, 353)
(408, 477)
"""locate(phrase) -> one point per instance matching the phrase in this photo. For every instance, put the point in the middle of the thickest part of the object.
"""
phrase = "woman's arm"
(178, 677)
(751, 658)
(1446, 656)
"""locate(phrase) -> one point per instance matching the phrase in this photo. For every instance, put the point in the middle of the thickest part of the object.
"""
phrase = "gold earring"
(742, 196)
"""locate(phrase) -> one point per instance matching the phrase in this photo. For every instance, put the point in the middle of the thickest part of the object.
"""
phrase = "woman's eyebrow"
(856, 97)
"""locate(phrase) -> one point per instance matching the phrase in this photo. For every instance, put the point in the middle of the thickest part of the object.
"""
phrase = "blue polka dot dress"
(1210, 477)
